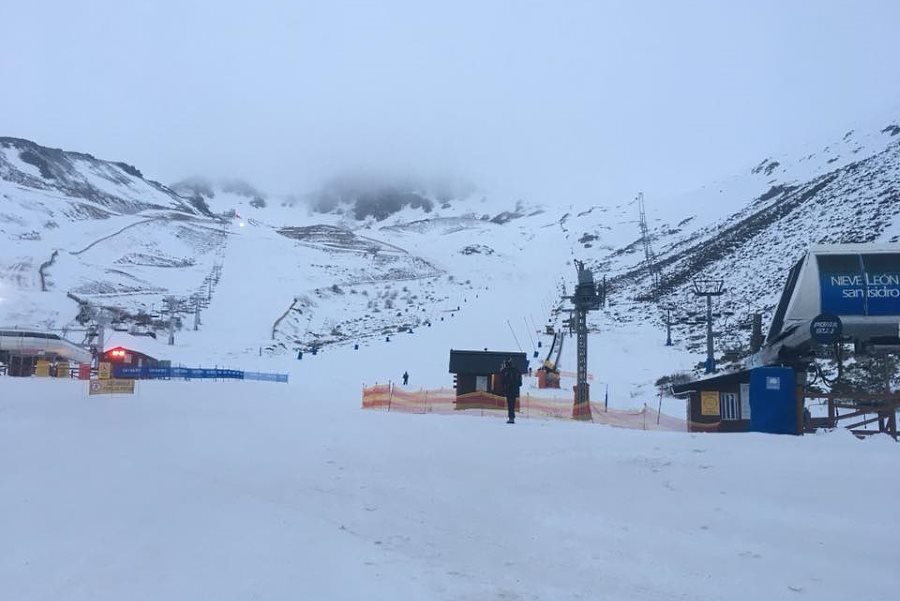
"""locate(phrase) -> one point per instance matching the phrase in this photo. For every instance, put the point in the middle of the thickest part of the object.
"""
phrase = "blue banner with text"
(192, 373)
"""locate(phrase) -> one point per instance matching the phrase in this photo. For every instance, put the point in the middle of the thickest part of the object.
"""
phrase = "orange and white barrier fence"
(387, 397)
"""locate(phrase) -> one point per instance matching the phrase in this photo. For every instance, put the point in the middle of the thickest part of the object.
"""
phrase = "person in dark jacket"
(405, 378)
(512, 381)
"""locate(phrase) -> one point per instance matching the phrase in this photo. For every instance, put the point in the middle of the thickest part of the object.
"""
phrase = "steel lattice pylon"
(581, 393)
(586, 298)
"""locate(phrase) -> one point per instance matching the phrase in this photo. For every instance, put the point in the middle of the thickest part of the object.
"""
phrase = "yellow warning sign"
(709, 402)
(62, 369)
(104, 370)
(42, 368)
(111, 387)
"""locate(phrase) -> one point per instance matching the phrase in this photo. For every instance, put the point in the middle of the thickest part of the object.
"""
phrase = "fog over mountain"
(555, 102)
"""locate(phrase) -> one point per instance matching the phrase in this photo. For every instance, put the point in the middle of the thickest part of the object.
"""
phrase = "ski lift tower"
(587, 298)
(172, 308)
(709, 288)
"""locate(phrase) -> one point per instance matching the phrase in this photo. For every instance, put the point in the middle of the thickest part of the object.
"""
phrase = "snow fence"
(191, 373)
(387, 397)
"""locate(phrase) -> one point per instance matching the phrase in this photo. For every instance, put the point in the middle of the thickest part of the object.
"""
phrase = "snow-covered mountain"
(90, 188)
(746, 231)
(80, 231)
(76, 229)
(360, 261)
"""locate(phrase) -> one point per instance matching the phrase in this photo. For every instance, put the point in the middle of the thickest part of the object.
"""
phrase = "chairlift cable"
(527, 331)
(514, 336)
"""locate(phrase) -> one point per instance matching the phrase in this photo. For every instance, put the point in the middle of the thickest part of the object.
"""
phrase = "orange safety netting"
(444, 400)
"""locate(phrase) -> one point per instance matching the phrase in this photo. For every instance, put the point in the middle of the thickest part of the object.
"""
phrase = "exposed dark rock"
(38, 161)
(506, 217)
(130, 170)
(476, 249)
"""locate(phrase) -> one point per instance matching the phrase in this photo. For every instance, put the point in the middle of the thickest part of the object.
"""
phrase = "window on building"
(745, 401)
(729, 405)
(481, 383)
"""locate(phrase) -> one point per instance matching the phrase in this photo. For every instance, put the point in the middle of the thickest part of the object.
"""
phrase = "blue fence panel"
(124, 372)
(193, 373)
(265, 377)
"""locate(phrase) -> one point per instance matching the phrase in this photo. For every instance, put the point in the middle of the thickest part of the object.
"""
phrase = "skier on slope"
(512, 381)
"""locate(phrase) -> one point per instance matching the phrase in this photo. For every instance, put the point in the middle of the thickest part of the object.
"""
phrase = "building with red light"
(122, 356)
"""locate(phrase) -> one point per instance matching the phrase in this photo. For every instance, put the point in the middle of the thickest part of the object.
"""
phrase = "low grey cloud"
(552, 101)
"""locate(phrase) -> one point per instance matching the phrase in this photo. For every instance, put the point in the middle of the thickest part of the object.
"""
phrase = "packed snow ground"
(240, 490)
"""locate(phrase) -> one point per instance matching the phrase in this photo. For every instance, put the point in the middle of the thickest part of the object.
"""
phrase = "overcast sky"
(558, 101)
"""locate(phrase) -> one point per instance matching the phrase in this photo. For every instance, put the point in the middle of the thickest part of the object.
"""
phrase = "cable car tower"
(649, 255)
(588, 297)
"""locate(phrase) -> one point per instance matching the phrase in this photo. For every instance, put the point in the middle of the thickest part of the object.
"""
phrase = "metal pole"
(709, 288)
(582, 356)
(514, 334)
(170, 300)
(530, 337)
(668, 326)
(710, 359)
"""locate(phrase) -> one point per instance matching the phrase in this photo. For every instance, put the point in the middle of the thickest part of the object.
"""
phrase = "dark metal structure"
(709, 288)
(587, 298)
(649, 255)
(669, 307)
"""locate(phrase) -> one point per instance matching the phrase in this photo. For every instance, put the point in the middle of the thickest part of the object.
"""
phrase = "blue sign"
(870, 290)
(883, 293)
(191, 373)
(843, 293)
